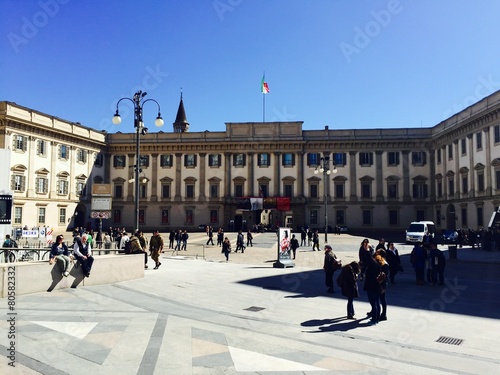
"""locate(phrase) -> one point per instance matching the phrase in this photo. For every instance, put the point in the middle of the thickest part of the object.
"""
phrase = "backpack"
(128, 247)
(340, 279)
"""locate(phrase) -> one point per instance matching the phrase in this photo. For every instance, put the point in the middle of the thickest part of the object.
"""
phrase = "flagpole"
(263, 107)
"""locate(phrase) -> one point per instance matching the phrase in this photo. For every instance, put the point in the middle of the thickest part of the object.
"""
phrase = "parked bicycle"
(20, 255)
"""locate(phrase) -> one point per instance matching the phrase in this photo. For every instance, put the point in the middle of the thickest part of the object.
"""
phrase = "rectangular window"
(365, 159)
(339, 191)
(189, 216)
(214, 190)
(392, 158)
(313, 159)
(438, 155)
(419, 191)
(313, 217)
(190, 161)
(18, 215)
(144, 161)
(41, 215)
(117, 216)
(119, 161)
(340, 215)
(164, 217)
(497, 178)
(393, 217)
(439, 189)
(99, 160)
(166, 161)
(480, 182)
(20, 143)
(41, 185)
(142, 217)
(18, 182)
(165, 191)
(479, 141)
(238, 190)
(438, 218)
(392, 189)
(465, 185)
(62, 187)
(288, 190)
(288, 159)
(62, 216)
(80, 188)
(264, 191)
(214, 160)
(496, 133)
(464, 217)
(450, 151)
(314, 193)
(463, 146)
(480, 221)
(366, 190)
(418, 158)
(81, 155)
(340, 159)
(189, 191)
(451, 188)
(264, 160)
(367, 217)
(41, 147)
(63, 152)
(118, 191)
(214, 216)
(143, 191)
(239, 160)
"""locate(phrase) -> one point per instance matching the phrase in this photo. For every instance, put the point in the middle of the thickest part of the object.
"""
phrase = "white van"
(417, 230)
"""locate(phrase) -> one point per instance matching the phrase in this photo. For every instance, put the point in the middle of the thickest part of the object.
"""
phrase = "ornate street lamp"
(138, 101)
(324, 167)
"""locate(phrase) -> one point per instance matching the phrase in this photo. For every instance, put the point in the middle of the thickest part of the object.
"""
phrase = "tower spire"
(181, 125)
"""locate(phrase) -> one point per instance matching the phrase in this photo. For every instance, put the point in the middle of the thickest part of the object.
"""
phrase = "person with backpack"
(9, 242)
(83, 254)
(348, 283)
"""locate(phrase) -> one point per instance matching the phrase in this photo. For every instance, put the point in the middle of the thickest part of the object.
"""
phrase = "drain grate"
(449, 340)
(254, 308)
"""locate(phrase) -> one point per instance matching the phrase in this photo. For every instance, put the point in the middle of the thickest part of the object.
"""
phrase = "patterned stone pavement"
(206, 316)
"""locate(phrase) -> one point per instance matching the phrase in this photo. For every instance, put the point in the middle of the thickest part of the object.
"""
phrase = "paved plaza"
(198, 314)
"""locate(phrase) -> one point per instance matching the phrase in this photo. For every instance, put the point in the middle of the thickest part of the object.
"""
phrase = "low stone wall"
(32, 277)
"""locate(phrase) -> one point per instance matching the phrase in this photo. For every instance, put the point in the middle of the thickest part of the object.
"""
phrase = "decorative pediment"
(18, 168)
(479, 167)
(63, 174)
(419, 178)
(450, 174)
(166, 180)
(495, 162)
(81, 177)
(463, 170)
(366, 179)
(340, 179)
(42, 171)
(392, 178)
(119, 180)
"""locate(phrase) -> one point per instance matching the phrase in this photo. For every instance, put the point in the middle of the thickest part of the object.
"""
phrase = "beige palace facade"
(385, 178)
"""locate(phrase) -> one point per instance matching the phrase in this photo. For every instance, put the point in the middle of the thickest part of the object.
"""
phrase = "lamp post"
(138, 101)
(324, 167)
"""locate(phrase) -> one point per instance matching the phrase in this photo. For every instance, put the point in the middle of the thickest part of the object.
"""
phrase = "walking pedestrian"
(226, 248)
(373, 289)
(249, 238)
(155, 248)
(294, 244)
(210, 235)
(315, 241)
(380, 258)
(394, 261)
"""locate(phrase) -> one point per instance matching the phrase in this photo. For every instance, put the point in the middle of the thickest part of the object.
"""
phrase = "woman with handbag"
(348, 283)
(380, 258)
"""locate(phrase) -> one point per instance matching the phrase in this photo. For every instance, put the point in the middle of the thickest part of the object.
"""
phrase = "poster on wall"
(284, 257)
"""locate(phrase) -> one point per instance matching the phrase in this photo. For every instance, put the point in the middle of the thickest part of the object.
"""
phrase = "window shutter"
(37, 183)
(59, 151)
(425, 190)
(415, 191)
(13, 182)
(424, 158)
(23, 182)
(38, 147)
(268, 160)
(25, 143)
(185, 160)
(293, 159)
(195, 160)
(14, 142)
(244, 160)
(234, 160)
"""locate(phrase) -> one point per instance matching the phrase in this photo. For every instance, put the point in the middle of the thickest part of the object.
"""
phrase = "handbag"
(381, 277)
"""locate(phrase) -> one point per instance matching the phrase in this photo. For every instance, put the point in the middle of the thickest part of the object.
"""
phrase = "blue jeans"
(374, 299)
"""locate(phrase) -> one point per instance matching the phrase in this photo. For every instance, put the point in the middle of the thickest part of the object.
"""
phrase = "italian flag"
(264, 88)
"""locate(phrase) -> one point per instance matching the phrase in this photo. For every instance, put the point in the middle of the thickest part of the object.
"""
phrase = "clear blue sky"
(342, 63)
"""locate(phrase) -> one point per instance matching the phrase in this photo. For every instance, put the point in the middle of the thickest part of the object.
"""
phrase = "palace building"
(254, 173)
